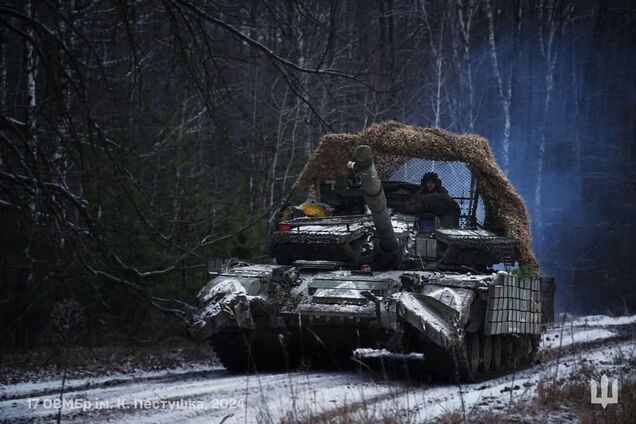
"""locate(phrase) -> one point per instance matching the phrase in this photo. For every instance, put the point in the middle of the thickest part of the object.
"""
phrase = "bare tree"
(553, 15)
(504, 89)
(465, 10)
(439, 68)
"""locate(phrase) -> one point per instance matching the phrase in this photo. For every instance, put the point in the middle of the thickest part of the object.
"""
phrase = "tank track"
(475, 357)
(481, 357)
(241, 352)
(478, 358)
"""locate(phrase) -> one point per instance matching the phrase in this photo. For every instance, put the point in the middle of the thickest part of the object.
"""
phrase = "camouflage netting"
(506, 213)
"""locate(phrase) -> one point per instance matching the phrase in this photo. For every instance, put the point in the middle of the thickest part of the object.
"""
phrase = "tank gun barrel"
(364, 166)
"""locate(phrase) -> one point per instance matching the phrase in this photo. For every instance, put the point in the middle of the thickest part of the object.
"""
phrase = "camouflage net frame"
(455, 177)
(505, 212)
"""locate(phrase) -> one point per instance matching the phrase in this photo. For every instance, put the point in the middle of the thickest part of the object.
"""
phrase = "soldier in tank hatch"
(432, 199)
(430, 183)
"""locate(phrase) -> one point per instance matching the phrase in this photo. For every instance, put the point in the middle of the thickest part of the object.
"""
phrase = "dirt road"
(209, 394)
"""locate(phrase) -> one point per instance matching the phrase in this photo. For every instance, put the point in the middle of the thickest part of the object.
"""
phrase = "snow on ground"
(499, 393)
(383, 353)
(205, 394)
(601, 320)
(558, 339)
(55, 384)
(583, 330)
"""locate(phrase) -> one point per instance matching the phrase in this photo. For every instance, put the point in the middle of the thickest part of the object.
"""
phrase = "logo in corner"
(604, 399)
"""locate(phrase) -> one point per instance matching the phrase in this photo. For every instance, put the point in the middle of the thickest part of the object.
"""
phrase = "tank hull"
(256, 319)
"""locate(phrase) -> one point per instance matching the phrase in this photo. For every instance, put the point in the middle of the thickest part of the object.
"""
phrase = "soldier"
(430, 183)
(432, 199)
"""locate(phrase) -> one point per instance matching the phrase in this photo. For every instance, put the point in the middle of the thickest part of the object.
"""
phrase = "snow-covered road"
(205, 394)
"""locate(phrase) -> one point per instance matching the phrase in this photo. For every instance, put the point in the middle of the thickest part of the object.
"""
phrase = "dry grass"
(358, 413)
(574, 394)
(565, 399)
(367, 411)
(488, 417)
(82, 361)
(378, 408)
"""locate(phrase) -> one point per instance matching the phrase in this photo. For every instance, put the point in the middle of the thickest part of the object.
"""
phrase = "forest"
(138, 139)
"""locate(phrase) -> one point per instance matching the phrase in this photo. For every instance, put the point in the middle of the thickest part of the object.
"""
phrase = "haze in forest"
(139, 139)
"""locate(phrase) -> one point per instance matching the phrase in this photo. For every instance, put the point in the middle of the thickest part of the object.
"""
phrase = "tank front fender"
(232, 309)
(425, 316)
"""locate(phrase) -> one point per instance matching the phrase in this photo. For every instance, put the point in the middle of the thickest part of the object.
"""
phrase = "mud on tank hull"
(266, 317)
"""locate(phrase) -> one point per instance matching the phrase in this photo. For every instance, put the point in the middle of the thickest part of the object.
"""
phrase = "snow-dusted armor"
(441, 280)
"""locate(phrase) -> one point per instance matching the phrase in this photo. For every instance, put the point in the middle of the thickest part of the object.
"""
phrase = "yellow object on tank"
(313, 210)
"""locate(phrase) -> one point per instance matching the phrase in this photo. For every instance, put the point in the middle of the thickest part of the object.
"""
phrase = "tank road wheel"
(522, 349)
(467, 359)
(519, 350)
(240, 353)
(535, 342)
(527, 346)
(473, 352)
(497, 352)
(486, 354)
(232, 351)
(510, 358)
(331, 360)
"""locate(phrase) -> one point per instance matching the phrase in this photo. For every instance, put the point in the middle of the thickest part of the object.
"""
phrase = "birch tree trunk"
(31, 76)
(465, 13)
(504, 90)
(292, 148)
(438, 67)
(280, 132)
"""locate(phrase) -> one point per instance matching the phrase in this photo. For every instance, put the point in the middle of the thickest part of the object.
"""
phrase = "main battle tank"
(381, 265)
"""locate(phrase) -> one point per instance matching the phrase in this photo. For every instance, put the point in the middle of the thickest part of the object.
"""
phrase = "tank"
(369, 260)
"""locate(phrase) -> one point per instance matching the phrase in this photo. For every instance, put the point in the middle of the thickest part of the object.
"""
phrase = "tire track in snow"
(20, 390)
(270, 397)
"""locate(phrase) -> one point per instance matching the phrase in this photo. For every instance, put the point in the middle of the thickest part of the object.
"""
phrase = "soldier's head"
(430, 181)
